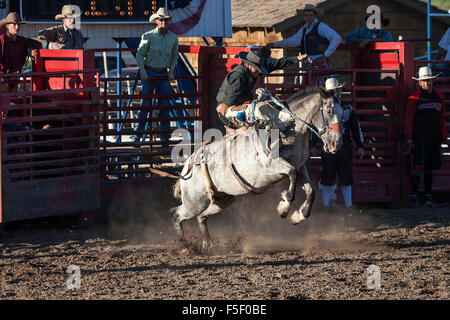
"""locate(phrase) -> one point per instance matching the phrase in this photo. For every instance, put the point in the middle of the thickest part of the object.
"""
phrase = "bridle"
(334, 127)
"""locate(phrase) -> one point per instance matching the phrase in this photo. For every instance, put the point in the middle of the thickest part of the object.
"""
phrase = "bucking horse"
(245, 164)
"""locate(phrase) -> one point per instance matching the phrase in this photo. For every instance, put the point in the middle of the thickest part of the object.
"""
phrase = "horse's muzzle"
(331, 148)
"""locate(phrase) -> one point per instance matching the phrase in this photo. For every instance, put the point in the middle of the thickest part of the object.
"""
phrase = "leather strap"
(245, 185)
(190, 166)
(238, 179)
(237, 108)
(162, 173)
(156, 70)
(221, 108)
(191, 162)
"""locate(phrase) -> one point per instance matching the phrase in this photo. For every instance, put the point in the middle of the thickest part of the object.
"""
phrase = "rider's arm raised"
(281, 63)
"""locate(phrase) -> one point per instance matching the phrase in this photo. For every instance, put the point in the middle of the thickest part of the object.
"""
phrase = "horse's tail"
(176, 190)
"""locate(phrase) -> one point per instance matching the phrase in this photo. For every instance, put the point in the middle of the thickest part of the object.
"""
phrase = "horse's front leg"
(305, 210)
(288, 196)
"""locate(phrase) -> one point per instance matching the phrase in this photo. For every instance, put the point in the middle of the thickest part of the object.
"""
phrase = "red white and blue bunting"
(185, 14)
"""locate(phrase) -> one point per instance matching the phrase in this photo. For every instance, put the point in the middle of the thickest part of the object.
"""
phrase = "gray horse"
(244, 163)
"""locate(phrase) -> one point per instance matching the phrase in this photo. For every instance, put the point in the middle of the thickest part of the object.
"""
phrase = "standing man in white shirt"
(157, 58)
(316, 39)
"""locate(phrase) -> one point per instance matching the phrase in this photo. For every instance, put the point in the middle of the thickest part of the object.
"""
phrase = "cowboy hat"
(425, 74)
(255, 59)
(311, 7)
(160, 14)
(69, 11)
(333, 84)
(12, 17)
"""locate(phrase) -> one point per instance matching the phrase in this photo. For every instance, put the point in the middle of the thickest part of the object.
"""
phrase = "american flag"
(185, 14)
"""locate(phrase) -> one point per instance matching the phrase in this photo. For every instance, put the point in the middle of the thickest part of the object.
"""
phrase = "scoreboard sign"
(100, 11)
(193, 18)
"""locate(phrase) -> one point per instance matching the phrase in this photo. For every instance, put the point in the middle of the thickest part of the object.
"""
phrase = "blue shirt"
(366, 33)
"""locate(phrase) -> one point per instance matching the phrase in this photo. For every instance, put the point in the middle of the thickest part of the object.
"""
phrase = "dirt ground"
(258, 255)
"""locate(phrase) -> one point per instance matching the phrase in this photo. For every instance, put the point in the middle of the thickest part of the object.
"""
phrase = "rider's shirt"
(237, 87)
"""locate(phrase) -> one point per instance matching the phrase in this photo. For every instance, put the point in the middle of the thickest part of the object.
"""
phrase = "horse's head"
(327, 119)
(313, 106)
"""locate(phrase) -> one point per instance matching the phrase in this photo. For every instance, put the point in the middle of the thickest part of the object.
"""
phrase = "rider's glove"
(241, 116)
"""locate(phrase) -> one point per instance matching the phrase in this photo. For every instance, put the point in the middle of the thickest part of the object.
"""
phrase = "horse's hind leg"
(182, 213)
(203, 217)
(305, 210)
(178, 216)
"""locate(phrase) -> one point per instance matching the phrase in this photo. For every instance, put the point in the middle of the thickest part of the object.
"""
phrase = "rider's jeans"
(159, 87)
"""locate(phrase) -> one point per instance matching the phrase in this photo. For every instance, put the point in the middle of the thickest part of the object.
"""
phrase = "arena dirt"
(258, 255)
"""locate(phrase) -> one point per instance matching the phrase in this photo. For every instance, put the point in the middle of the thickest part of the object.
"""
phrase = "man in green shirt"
(157, 57)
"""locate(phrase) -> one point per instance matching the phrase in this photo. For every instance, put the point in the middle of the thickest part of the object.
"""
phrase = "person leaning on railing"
(366, 35)
(157, 57)
(14, 49)
(444, 54)
(444, 47)
(65, 36)
(316, 39)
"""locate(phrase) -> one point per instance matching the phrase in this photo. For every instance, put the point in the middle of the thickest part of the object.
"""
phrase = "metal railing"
(123, 155)
(50, 159)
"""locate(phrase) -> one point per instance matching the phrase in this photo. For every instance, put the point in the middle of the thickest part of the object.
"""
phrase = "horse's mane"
(302, 93)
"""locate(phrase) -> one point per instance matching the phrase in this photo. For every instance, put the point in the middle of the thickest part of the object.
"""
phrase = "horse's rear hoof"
(207, 247)
(283, 209)
(297, 217)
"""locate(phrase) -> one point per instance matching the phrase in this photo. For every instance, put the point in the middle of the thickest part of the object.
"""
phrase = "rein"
(317, 133)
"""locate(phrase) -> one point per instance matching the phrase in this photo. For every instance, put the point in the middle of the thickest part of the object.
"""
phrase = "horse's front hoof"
(283, 209)
(297, 217)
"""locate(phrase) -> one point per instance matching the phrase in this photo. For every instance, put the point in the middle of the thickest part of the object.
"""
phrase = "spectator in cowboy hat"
(14, 49)
(65, 36)
(316, 39)
(341, 163)
(366, 34)
(238, 84)
(425, 130)
(157, 57)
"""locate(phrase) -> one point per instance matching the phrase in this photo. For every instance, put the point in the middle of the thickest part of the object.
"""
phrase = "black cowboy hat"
(384, 22)
(255, 59)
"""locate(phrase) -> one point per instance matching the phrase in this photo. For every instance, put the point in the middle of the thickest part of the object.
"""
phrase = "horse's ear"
(321, 91)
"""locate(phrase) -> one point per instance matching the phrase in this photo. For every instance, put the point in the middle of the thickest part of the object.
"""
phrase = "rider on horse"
(234, 109)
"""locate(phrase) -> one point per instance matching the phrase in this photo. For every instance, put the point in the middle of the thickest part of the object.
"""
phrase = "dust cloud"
(251, 225)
